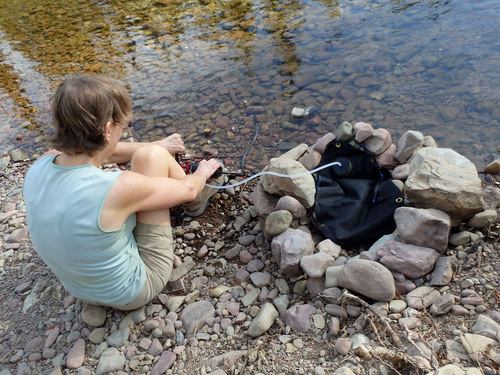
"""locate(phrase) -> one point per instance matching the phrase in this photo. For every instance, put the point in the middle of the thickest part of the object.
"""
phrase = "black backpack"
(355, 202)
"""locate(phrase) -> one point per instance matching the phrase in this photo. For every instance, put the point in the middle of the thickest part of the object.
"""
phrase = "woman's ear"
(107, 130)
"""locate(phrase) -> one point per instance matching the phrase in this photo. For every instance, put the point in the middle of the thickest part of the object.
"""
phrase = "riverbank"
(43, 330)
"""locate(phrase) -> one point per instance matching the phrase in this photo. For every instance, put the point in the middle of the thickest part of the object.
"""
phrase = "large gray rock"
(480, 347)
(302, 188)
(379, 141)
(368, 278)
(480, 220)
(484, 324)
(408, 144)
(263, 202)
(332, 276)
(422, 297)
(443, 179)
(491, 196)
(4, 162)
(295, 153)
(17, 155)
(289, 247)
(493, 167)
(76, 354)
(443, 271)
(410, 260)
(362, 131)
(315, 265)
(423, 227)
(322, 143)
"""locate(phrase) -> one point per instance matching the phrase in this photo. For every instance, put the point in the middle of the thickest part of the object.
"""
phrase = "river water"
(218, 71)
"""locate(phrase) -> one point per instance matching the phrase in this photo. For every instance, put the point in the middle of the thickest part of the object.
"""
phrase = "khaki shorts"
(156, 248)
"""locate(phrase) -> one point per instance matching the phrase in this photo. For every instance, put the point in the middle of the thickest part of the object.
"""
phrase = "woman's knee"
(152, 160)
(150, 153)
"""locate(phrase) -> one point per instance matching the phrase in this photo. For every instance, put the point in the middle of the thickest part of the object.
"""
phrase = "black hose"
(250, 145)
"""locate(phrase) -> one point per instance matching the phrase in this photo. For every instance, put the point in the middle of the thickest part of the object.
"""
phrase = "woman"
(107, 235)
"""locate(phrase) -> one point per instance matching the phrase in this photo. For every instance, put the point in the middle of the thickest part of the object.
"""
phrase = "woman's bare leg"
(155, 161)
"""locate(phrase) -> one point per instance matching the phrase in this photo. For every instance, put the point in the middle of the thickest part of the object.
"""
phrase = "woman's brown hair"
(81, 107)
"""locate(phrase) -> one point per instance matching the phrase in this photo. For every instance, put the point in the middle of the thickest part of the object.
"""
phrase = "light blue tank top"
(63, 206)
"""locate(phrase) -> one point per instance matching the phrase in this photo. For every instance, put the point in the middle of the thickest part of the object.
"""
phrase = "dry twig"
(382, 319)
(398, 359)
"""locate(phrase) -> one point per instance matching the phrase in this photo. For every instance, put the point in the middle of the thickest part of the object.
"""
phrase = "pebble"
(245, 257)
(298, 317)
(111, 360)
(51, 338)
(194, 315)
(241, 275)
(250, 297)
(318, 321)
(255, 265)
(34, 344)
(166, 361)
(119, 337)
(156, 348)
(263, 321)
(260, 279)
(246, 240)
(76, 355)
(94, 316)
(343, 345)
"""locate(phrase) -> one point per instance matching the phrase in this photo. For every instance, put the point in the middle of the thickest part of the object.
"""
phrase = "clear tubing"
(275, 174)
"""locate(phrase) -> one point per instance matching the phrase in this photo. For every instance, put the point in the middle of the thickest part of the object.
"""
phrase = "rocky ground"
(43, 330)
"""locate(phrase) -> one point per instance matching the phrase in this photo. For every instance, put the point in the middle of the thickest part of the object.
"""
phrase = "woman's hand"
(208, 167)
(173, 144)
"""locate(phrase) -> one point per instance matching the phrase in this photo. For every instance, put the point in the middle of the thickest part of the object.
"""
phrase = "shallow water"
(229, 68)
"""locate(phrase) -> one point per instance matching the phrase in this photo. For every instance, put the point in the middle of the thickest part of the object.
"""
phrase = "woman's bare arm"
(124, 150)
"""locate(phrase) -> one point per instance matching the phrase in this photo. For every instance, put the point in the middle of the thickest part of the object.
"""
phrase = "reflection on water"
(227, 65)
